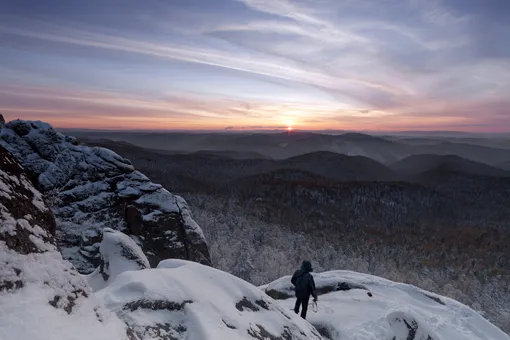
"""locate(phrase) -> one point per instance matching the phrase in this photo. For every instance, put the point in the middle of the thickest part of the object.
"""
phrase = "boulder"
(42, 296)
(118, 253)
(89, 189)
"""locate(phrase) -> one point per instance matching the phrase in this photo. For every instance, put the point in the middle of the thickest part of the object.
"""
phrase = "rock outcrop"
(89, 189)
(185, 300)
(361, 306)
(118, 253)
(41, 295)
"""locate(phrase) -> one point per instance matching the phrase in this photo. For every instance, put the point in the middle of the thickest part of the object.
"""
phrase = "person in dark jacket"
(304, 286)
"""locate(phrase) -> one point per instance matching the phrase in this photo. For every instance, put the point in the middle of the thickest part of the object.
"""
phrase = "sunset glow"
(265, 64)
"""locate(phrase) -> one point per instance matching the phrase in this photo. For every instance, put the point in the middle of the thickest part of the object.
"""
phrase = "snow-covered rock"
(41, 295)
(89, 189)
(355, 306)
(186, 300)
(119, 253)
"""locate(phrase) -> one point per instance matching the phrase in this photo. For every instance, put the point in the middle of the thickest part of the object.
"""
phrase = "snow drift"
(89, 189)
(41, 295)
(359, 306)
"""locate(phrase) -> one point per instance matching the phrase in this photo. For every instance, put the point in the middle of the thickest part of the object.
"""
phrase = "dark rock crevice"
(246, 304)
(156, 305)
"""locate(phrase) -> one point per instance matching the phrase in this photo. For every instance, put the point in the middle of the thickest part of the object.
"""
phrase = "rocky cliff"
(89, 189)
(41, 295)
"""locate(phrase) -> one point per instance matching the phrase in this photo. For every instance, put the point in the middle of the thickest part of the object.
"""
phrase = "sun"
(289, 125)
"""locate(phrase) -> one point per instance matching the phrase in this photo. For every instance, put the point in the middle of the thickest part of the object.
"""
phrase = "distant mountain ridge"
(284, 145)
(504, 165)
(427, 163)
(217, 168)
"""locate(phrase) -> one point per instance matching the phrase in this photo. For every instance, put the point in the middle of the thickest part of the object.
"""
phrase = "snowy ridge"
(185, 300)
(89, 189)
(41, 295)
(394, 311)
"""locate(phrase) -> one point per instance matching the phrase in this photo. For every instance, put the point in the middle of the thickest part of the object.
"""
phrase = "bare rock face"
(89, 189)
(35, 281)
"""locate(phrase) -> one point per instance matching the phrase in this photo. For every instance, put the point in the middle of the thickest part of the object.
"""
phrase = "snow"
(111, 157)
(119, 253)
(353, 315)
(161, 200)
(152, 216)
(26, 312)
(192, 228)
(27, 315)
(5, 188)
(186, 300)
(84, 190)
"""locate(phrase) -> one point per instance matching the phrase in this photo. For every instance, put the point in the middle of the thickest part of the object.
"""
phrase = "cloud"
(380, 63)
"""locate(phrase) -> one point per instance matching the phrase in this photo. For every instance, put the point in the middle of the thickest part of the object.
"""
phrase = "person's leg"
(304, 308)
(296, 306)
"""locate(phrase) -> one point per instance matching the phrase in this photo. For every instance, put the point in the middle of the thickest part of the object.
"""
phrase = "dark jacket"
(303, 282)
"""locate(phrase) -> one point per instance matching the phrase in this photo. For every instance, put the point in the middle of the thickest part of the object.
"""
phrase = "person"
(304, 286)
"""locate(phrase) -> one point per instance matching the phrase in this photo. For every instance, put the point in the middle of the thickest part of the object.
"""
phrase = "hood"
(306, 267)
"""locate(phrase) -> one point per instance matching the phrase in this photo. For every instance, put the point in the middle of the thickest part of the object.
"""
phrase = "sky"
(364, 65)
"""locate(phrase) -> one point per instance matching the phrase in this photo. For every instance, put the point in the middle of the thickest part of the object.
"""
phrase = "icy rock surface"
(41, 295)
(394, 311)
(89, 189)
(185, 300)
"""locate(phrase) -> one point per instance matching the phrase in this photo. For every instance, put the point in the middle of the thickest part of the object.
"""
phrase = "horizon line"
(317, 131)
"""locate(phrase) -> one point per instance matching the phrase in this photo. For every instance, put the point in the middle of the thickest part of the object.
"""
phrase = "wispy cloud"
(382, 63)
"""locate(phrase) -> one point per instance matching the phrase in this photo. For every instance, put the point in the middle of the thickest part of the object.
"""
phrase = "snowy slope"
(41, 295)
(89, 189)
(185, 300)
(395, 311)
